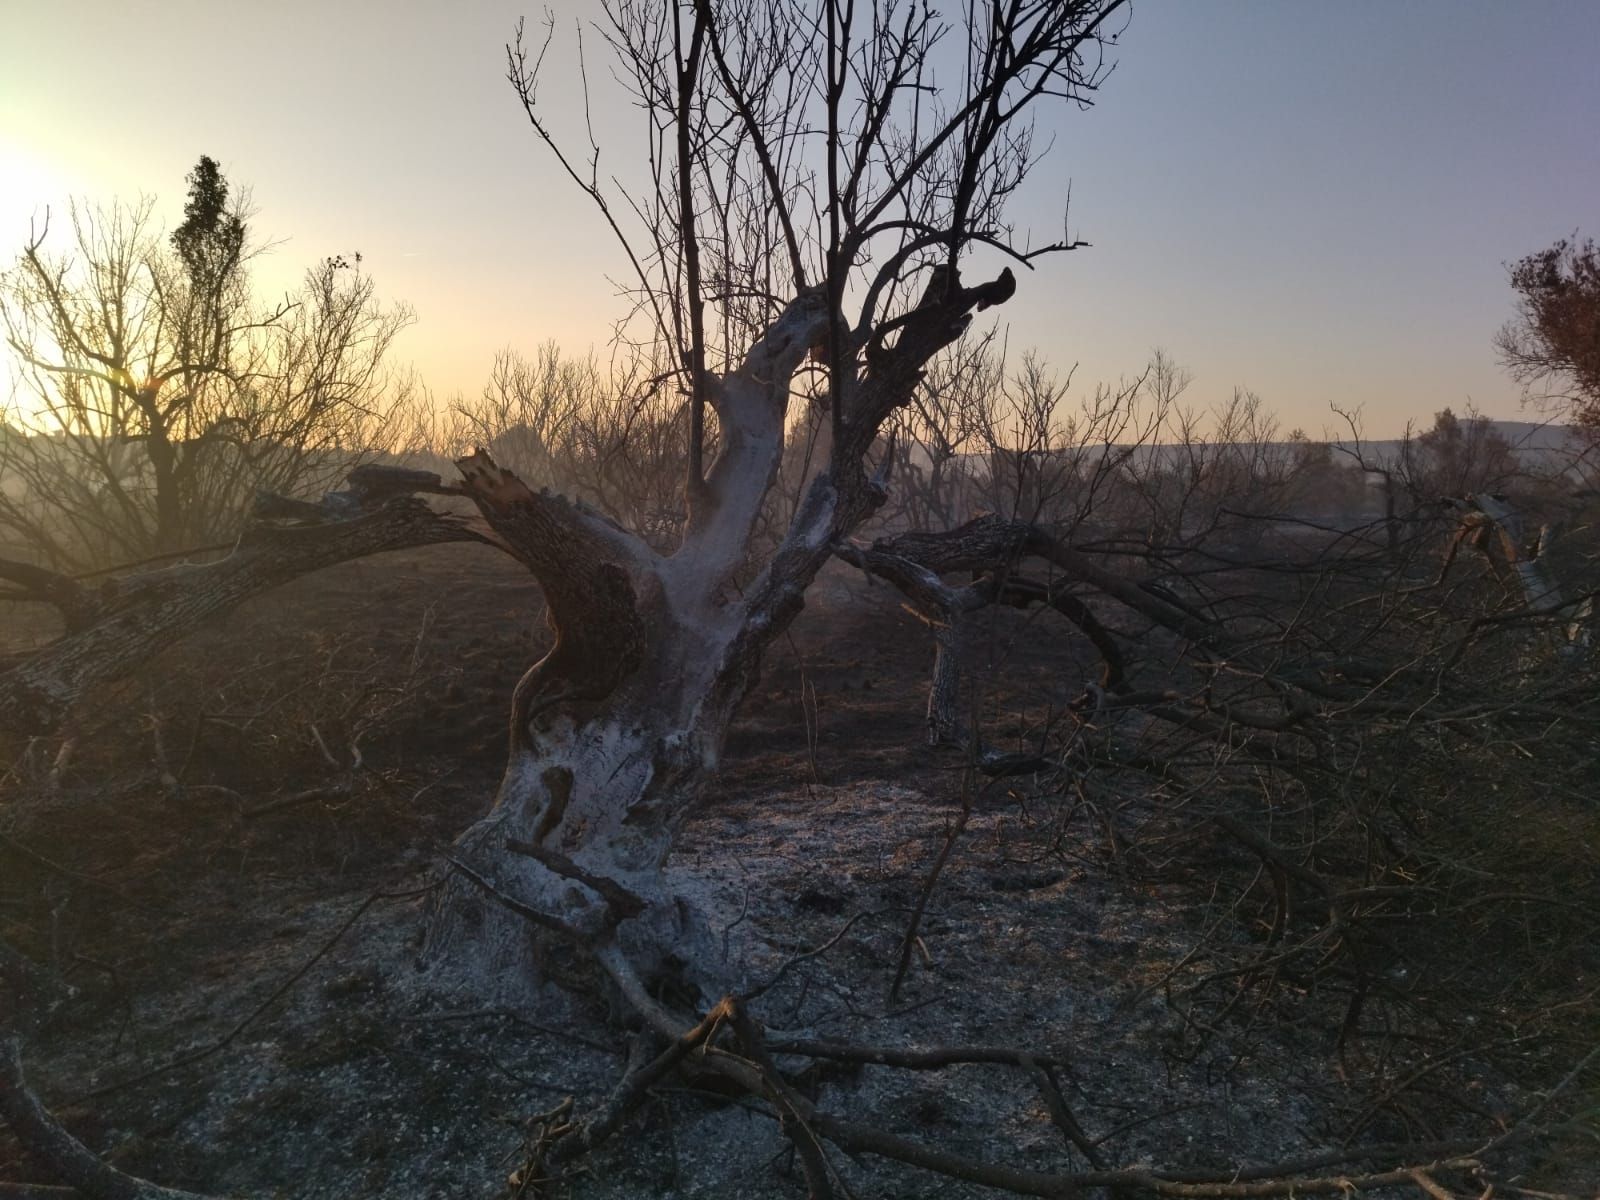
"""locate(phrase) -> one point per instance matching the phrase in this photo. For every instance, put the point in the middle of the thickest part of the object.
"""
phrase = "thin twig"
(184, 1060)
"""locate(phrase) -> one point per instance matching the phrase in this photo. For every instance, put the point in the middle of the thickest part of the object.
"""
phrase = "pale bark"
(1538, 585)
(1530, 566)
(615, 730)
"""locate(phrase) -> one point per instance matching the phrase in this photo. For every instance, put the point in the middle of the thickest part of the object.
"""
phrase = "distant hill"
(1542, 446)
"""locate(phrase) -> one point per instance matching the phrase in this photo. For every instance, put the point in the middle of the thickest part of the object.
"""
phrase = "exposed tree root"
(728, 1042)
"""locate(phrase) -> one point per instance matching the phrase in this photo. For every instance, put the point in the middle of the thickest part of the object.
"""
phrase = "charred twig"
(38, 1191)
(547, 1128)
(631, 1091)
(793, 1110)
(526, 911)
(27, 990)
(1056, 1103)
(295, 800)
(55, 868)
(760, 989)
(968, 787)
(227, 1039)
(930, 1058)
(515, 1018)
(622, 903)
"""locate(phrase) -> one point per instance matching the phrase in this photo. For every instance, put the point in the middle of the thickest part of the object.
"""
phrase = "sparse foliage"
(1456, 457)
(1552, 347)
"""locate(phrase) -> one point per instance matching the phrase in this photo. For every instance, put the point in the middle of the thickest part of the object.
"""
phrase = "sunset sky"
(1316, 201)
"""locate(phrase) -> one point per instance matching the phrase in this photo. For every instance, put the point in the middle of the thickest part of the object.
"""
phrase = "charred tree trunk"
(944, 693)
(615, 730)
(169, 531)
(991, 549)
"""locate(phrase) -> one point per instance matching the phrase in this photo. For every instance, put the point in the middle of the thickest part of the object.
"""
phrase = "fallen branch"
(622, 903)
(957, 827)
(38, 1191)
(793, 1110)
(1287, 1178)
(296, 799)
(931, 1058)
(133, 618)
(43, 1136)
(633, 1088)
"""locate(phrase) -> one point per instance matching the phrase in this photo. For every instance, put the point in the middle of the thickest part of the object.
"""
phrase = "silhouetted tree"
(158, 396)
(1459, 457)
(211, 239)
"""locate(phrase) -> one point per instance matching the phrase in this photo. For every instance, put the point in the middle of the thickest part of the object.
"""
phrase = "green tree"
(211, 239)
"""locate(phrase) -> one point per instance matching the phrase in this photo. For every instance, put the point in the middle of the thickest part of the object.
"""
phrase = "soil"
(230, 875)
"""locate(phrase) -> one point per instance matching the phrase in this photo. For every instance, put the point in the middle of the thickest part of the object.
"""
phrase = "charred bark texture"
(944, 694)
(581, 562)
(615, 729)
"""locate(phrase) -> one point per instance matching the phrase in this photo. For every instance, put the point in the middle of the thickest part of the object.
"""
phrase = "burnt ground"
(235, 903)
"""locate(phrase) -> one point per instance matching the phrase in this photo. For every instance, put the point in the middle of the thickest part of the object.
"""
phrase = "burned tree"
(1552, 347)
(805, 234)
(803, 197)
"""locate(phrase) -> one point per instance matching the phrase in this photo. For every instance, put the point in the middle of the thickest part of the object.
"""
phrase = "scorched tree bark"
(803, 149)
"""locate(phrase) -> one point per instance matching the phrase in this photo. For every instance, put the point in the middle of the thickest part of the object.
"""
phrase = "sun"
(29, 184)
(32, 187)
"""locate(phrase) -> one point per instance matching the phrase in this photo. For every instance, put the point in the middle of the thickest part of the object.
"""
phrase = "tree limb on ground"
(112, 631)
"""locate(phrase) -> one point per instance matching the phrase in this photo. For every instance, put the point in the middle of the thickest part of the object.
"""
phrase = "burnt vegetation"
(912, 771)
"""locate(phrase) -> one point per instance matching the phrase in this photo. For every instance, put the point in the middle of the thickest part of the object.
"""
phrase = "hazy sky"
(1313, 200)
